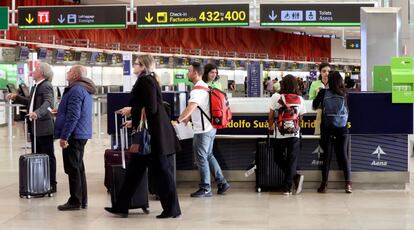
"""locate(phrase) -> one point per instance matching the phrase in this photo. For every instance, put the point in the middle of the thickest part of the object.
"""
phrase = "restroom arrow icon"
(272, 16)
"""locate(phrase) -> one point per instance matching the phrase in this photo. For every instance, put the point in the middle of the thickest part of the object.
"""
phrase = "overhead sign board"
(72, 17)
(193, 15)
(353, 44)
(312, 14)
(4, 18)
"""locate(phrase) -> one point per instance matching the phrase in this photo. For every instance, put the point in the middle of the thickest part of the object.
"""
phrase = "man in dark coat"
(38, 104)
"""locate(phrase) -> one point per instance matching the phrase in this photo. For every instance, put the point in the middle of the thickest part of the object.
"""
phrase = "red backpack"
(288, 114)
(219, 108)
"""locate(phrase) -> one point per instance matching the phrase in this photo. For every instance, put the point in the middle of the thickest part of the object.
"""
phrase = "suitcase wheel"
(258, 189)
(50, 194)
(28, 197)
(21, 196)
(146, 211)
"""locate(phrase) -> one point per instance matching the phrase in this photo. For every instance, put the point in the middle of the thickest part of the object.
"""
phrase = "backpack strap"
(201, 110)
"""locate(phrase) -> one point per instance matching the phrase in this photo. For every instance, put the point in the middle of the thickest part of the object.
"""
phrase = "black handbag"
(141, 138)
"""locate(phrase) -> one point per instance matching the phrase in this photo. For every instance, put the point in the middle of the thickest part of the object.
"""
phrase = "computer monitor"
(60, 55)
(108, 58)
(42, 54)
(93, 57)
(22, 53)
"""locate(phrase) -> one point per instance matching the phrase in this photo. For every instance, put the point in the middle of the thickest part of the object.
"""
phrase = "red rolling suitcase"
(114, 156)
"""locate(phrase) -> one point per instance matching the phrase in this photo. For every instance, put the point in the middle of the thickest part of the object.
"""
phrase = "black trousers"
(286, 156)
(44, 144)
(163, 169)
(74, 167)
(335, 140)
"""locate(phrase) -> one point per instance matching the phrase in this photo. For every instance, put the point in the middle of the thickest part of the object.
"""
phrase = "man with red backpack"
(285, 113)
(205, 119)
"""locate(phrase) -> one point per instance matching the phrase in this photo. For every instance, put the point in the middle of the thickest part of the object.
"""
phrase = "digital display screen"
(109, 58)
(23, 52)
(77, 56)
(60, 55)
(94, 56)
(42, 53)
(179, 76)
(211, 15)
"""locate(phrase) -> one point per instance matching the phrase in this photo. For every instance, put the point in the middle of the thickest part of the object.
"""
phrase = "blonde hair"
(149, 64)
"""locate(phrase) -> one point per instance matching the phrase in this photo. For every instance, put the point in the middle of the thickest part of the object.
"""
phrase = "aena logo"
(379, 152)
(317, 151)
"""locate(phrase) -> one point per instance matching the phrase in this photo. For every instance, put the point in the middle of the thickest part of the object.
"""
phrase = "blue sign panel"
(373, 113)
(127, 67)
(311, 156)
(379, 153)
(253, 79)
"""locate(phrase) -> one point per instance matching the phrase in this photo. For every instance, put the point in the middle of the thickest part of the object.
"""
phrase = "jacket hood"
(85, 82)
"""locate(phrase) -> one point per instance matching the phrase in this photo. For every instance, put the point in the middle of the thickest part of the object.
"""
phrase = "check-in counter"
(379, 141)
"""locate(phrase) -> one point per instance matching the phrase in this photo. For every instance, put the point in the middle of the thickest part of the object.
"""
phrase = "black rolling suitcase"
(268, 175)
(34, 171)
(140, 198)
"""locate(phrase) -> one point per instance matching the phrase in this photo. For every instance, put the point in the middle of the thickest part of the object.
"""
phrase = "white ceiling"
(349, 32)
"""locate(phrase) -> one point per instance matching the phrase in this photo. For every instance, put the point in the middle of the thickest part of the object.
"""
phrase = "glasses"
(138, 63)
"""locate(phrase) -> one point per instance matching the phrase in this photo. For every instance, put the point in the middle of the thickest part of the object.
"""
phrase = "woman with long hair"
(210, 76)
(322, 82)
(146, 93)
(287, 143)
(334, 137)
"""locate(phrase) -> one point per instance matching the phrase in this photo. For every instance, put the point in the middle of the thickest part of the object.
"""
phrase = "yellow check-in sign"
(162, 17)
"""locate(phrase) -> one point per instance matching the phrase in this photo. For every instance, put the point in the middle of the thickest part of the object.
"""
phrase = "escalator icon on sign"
(162, 17)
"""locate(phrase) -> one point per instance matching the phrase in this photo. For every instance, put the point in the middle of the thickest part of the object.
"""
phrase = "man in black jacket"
(38, 104)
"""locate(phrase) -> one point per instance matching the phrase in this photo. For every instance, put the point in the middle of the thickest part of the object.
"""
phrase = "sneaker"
(202, 193)
(286, 192)
(298, 180)
(223, 187)
(348, 187)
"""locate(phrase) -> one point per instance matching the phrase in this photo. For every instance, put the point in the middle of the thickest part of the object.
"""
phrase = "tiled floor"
(241, 208)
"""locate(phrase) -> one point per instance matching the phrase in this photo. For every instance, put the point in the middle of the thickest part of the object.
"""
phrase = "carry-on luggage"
(140, 197)
(34, 171)
(114, 156)
(268, 174)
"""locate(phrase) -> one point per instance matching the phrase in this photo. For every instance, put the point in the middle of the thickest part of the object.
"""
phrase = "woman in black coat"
(333, 138)
(146, 93)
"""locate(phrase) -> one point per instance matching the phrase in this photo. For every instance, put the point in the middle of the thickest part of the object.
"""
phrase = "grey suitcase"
(34, 171)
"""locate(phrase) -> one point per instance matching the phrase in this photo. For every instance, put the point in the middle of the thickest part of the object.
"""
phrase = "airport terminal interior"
(253, 46)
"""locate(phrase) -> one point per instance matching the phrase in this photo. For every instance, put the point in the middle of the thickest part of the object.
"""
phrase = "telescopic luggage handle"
(116, 129)
(26, 132)
(124, 137)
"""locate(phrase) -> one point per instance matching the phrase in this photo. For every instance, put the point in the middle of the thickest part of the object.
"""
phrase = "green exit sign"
(4, 18)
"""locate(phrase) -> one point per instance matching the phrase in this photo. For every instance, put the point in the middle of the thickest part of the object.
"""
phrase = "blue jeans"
(203, 150)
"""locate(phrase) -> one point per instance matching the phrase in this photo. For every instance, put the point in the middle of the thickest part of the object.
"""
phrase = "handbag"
(141, 138)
